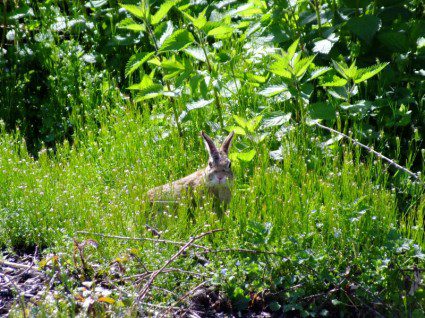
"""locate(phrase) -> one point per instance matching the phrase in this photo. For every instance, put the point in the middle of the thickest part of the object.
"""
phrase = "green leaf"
(318, 72)
(274, 306)
(324, 46)
(253, 123)
(274, 119)
(137, 11)
(197, 53)
(201, 20)
(246, 156)
(177, 41)
(364, 27)
(240, 121)
(129, 24)
(335, 81)
(341, 68)
(221, 32)
(142, 97)
(275, 90)
(301, 67)
(336, 302)
(199, 104)
(256, 78)
(238, 130)
(163, 31)
(293, 48)
(136, 61)
(321, 110)
(146, 86)
(172, 65)
(280, 67)
(162, 12)
(366, 73)
(395, 41)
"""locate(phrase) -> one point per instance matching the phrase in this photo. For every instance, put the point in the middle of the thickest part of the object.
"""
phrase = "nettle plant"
(190, 59)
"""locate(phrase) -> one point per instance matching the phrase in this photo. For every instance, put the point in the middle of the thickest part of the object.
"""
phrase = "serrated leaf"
(364, 27)
(162, 12)
(329, 142)
(199, 104)
(137, 11)
(253, 123)
(238, 130)
(293, 48)
(221, 32)
(163, 31)
(340, 68)
(274, 119)
(366, 73)
(321, 110)
(256, 78)
(146, 86)
(317, 72)
(274, 306)
(324, 46)
(172, 65)
(395, 41)
(142, 97)
(246, 156)
(129, 24)
(177, 41)
(280, 67)
(273, 90)
(136, 61)
(201, 20)
(197, 53)
(240, 121)
(302, 65)
(95, 3)
(335, 81)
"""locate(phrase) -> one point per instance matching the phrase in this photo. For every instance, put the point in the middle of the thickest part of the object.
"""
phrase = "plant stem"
(210, 70)
(173, 104)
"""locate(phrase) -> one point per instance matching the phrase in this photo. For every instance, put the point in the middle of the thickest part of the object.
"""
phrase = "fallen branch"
(391, 162)
(240, 250)
(17, 265)
(187, 294)
(128, 238)
(147, 286)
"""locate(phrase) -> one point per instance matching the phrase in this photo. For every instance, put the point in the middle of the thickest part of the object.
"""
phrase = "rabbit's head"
(218, 172)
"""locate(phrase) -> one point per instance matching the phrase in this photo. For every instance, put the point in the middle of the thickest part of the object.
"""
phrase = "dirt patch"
(20, 281)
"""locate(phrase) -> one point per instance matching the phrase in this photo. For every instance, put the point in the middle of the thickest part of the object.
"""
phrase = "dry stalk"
(128, 238)
(148, 284)
(379, 155)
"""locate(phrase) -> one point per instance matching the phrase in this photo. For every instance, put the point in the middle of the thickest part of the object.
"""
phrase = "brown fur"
(209, 178)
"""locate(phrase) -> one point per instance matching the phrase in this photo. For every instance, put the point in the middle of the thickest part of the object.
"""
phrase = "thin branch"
(391, 162)
(147, 286)
(187, 294)
(16, 265)
(128, 238)
(240, 250)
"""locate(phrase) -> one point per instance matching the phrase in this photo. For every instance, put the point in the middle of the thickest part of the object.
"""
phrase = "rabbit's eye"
(229, 165)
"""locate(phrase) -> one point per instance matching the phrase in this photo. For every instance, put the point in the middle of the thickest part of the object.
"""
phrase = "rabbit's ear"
(211, 148)
(227, 142)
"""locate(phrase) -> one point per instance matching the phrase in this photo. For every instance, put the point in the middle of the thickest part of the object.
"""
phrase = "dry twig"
(391, 162)
(147, 286)
(128, 238)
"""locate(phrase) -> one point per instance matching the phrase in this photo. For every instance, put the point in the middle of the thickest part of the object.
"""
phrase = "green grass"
(320, 209)
(328, 229)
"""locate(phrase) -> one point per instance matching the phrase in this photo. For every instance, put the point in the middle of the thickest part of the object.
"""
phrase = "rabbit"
(215, 178)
